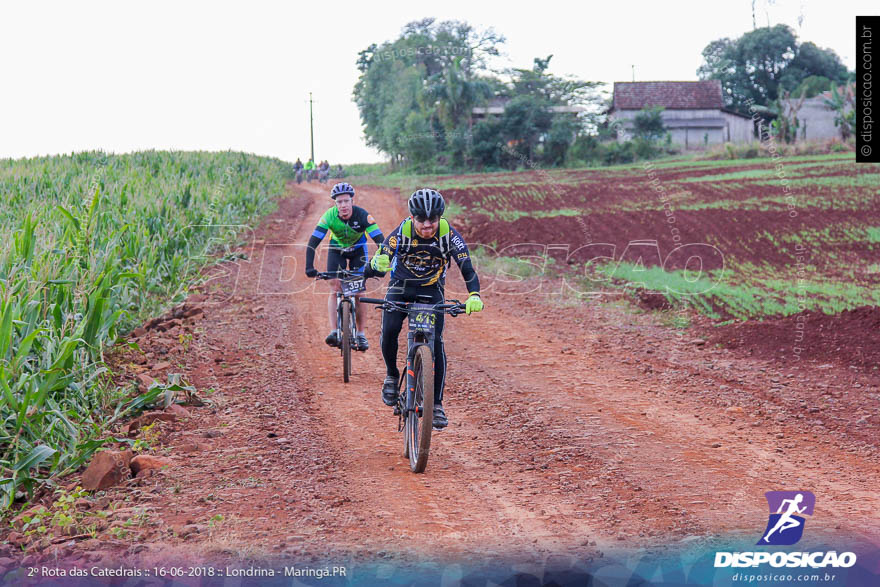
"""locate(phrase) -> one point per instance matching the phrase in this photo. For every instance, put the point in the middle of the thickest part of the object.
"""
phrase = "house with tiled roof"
(693, 112)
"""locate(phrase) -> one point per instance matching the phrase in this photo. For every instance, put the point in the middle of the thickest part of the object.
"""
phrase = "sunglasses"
(423, 219)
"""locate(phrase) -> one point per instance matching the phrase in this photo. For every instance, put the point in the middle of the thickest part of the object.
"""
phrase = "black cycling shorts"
(392, 323)
(353, 260)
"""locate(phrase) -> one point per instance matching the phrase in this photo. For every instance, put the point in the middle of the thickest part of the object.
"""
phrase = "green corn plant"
(98, 243)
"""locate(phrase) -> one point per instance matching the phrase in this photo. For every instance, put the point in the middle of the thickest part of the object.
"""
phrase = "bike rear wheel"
(418, 427)
(345, 340)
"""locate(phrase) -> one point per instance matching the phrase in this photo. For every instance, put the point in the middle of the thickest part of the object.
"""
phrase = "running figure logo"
(786, 526)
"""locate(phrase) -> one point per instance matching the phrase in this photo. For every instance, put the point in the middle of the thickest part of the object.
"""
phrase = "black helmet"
(426, 202)
(341, 188)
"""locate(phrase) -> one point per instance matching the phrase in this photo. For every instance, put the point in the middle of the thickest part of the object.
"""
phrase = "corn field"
(92, 245)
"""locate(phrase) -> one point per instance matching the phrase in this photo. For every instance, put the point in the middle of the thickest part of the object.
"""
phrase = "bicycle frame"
(415, 418)
(342, 297)
(352, 284)
(415, 338)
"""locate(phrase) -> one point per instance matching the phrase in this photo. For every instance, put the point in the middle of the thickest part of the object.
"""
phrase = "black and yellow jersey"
(421, 262)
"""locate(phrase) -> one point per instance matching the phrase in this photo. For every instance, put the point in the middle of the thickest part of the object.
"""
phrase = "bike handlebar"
(341, 274)
(453, 307)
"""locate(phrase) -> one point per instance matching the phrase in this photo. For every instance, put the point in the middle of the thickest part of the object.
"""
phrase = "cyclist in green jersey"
(348, 226)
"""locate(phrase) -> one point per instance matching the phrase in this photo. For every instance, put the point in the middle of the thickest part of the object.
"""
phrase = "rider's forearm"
(314, 241)
(470, 276)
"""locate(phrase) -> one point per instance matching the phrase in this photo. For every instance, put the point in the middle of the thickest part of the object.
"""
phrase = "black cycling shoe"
(389, 391)
(440, 420)
(361, 341)
(332, 339)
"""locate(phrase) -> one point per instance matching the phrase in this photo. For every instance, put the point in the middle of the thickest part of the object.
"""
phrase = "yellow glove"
(473, 304)
(381, 263)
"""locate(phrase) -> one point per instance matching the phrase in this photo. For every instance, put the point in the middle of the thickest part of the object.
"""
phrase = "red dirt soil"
(850, 338)
(620, 206)
(575, 430)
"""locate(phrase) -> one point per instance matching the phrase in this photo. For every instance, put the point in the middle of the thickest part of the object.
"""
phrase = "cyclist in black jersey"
(348, 226)
(418, 253)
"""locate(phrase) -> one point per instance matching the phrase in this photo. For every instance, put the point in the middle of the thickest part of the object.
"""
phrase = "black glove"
(311, 272)
(370, 272)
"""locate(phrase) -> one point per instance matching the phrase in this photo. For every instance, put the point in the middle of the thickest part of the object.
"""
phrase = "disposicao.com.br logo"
(785, 526)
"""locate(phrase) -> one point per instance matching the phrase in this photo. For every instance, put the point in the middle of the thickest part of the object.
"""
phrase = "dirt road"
(572, 432)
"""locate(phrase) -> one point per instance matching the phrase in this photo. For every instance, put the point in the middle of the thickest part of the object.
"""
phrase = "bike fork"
(352, 314)
(410, 377)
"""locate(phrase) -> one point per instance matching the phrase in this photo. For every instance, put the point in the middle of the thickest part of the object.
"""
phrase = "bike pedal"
(396, 411)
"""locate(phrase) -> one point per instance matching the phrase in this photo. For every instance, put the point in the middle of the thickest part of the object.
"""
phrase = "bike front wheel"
(419, 421)
(345, 340)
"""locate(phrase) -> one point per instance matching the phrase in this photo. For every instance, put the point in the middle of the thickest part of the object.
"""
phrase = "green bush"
(648, 124)
(585, 148)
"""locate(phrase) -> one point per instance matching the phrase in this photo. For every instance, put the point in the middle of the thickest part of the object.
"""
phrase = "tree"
(759, 65)
(528, 119)
(556, 90)
(432, 69)
(421, 145)
(559, 138)
(749, 68)
(813, 61)
(786, 124)
(525, 119)
(812, 86)
(416, 97)
(486, 143)
(648, 124)
(843, 104)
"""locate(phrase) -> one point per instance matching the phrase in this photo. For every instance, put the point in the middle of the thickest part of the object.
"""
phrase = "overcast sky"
(124, 76)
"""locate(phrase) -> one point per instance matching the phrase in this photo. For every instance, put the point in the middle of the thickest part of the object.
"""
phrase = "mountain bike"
(346, 317)
(415, 406)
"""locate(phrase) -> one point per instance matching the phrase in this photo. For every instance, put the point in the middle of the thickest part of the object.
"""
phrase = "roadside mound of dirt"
(850, 338)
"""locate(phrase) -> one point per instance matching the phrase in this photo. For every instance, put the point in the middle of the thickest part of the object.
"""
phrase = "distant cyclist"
(298, 170)
(418, 253)
(310, 169)
(348, 226)
(323, 171)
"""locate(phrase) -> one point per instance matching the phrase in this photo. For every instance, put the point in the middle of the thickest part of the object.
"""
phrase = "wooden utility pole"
(311, 127)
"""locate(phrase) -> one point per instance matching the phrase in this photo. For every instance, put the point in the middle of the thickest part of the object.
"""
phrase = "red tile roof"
(669, 95)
